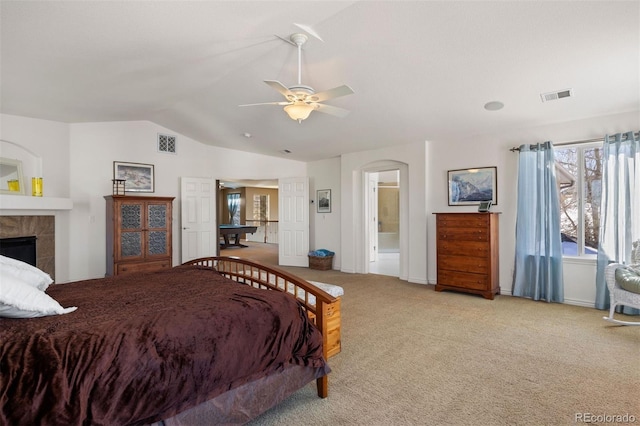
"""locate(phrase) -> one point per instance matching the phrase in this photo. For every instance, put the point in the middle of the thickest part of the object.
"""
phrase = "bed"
(178, 346)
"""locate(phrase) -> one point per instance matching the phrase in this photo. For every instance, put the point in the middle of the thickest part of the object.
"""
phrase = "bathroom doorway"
(385, 234)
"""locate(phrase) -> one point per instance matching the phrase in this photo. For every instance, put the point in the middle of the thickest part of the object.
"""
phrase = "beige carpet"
(411, 356)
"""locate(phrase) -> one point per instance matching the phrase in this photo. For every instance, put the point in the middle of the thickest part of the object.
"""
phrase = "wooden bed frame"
(322, 308)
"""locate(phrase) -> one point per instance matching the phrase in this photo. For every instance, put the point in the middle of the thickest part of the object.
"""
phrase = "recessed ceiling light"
(493, 106)
(246, 135)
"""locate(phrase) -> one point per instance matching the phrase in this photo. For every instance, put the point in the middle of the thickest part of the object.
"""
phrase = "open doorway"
(384, 220)
(250, 203)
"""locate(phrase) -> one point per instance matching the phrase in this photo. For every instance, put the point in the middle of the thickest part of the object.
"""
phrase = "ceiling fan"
(301, 99)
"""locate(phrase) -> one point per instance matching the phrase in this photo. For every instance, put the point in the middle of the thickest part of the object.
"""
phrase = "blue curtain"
(619, 209)
(538, 263)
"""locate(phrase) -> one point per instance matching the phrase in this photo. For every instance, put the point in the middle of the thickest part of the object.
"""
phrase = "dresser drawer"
(471, 220)
(126, 268)
(464, 248)
(463, 234)
(464, 263)
(463, 280)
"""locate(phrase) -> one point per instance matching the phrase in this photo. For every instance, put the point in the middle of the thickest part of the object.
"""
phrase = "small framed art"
(469, 187)
(139, 177)
(324, 200)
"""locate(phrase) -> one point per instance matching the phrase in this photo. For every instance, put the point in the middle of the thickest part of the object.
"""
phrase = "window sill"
(580, 260)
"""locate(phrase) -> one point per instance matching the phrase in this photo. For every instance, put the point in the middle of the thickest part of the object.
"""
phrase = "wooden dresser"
(467, 256)
(138, 233)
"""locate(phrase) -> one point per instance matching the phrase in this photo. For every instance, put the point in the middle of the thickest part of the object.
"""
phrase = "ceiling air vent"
(166, 143)
(552, 96)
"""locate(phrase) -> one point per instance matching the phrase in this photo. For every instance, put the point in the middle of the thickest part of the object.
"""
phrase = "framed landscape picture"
(324, 201)
(138, 177)
(469, 187)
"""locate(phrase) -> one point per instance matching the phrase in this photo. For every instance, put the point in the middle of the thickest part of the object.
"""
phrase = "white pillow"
(30, 274)
(19, 299)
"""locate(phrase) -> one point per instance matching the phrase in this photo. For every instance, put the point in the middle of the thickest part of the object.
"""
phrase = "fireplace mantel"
(9, 203)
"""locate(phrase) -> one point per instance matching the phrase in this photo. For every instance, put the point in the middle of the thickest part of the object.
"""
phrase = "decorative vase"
(14, 185)
(36, 186)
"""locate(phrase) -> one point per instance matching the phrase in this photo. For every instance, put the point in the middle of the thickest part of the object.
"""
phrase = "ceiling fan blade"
(267, 103)
(284, 90)
(286, 39)
(332, 110)
(331, 93)
(309, 30)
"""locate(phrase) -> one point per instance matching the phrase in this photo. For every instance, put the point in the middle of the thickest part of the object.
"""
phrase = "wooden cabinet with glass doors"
(139, 234)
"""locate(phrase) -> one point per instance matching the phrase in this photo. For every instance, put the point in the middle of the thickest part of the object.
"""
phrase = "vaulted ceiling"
(421, 70)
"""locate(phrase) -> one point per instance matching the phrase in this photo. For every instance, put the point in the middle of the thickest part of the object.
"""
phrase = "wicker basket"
(322, 263)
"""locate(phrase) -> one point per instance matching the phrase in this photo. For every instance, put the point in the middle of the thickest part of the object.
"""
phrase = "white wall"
(428, 164)
(325, 229)
(413, 265)
(94, 147)
(77, 163)
(49, 140)
(493, 150)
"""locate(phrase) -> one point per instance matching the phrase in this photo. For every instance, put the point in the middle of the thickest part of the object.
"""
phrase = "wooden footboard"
(321, 307)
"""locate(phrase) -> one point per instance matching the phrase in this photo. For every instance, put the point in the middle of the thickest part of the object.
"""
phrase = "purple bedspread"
(143, 347)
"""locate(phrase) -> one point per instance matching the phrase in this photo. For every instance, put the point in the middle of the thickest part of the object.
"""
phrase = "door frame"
(404, 226)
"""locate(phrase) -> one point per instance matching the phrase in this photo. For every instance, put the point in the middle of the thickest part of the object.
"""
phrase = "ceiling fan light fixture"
(299, 111)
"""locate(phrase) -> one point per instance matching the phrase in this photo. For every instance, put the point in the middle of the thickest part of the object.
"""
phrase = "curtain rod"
(637, 135)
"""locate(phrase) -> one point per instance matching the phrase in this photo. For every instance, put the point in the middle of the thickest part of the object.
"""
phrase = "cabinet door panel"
(157, 243)
(130, 244)
(130, 216)
(157, 216)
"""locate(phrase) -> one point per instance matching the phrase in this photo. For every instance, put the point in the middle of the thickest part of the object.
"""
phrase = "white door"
(373, 217)
(199, 227)
(293, 226)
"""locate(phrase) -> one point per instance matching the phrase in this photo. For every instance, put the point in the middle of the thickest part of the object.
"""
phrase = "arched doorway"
(370, 220)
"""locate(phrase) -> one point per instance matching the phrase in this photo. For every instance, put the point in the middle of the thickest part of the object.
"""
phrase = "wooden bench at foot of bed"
(334, 344)
(322, 308)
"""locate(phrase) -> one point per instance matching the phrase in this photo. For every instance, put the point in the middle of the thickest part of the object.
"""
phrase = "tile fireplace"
(40, 227)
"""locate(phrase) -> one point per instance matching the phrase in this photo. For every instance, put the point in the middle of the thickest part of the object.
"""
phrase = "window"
(261, 207)
(579, 175)
(233, 203)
